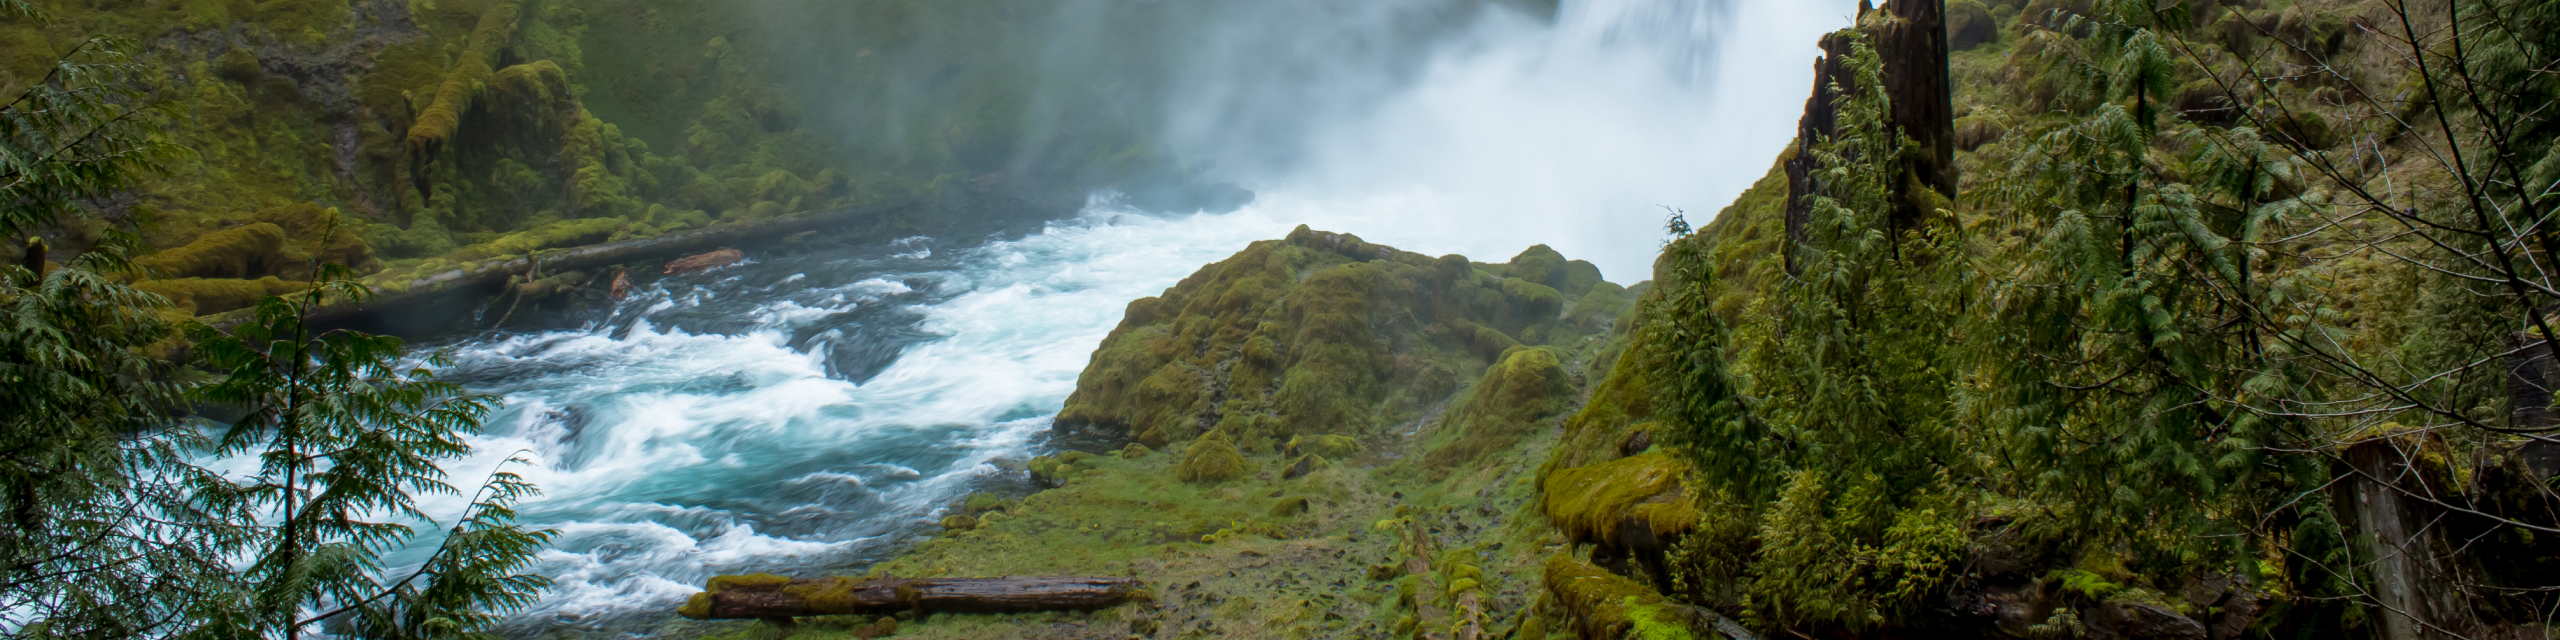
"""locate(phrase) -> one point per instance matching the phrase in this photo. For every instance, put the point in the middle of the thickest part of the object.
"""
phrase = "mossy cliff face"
(1325, 334)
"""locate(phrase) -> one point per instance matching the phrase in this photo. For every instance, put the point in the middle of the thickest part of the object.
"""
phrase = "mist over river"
(814, 409)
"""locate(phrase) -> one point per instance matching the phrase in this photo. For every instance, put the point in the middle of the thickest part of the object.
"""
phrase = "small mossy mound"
(1593, 503)
(1290, 507)
(1523, 394)
(979, 503)
(1056, 469)
(1304, 465)
(958, 522)
(1212, 458)
(1328, 446)
(1604, 605)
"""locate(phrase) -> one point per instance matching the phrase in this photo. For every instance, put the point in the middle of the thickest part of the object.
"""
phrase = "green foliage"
(345, 434)
(81, 419)
(83, 130)
(115, 530)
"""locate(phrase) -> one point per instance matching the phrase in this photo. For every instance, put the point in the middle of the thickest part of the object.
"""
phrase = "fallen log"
(767, 596)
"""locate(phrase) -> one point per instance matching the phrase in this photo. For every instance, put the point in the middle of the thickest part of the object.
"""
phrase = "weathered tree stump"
(766, 596)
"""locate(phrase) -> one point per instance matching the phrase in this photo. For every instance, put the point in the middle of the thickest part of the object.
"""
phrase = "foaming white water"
(1574, 134)
(667, 456)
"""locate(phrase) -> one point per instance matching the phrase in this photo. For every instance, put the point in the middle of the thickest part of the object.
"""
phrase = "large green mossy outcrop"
(1326, 334)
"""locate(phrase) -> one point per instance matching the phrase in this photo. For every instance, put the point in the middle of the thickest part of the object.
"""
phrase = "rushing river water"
(804, 411)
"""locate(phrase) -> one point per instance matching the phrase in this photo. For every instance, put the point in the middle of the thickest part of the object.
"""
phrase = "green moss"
(1321, 334)
(252, 251)
(470, 76)
(1527, 391)
(1329, 446)
(208, 296)
(1591, 503)
(1212, 458)
(1604, 605)
(1290, 507)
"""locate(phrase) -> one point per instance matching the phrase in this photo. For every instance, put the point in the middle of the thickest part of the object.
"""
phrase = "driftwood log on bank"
(427, 301)
(766, 596)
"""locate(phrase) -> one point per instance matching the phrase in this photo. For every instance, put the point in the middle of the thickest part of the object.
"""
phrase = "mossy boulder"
(1212, 458)
(959, 522)
(1598, 503)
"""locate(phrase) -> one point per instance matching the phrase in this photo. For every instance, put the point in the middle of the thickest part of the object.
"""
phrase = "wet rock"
(705, 262)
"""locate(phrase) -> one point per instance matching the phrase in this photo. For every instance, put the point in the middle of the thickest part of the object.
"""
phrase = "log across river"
(766, 596)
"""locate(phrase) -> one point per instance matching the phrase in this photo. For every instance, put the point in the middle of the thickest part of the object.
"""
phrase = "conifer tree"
(110, 526)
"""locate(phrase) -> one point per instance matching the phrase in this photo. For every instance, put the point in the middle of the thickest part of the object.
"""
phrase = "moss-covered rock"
(1329, 446)
(1604, 605)
(1593, 503)
(1212, 458)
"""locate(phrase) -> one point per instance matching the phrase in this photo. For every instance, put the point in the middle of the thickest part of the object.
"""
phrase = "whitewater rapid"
(802, 413)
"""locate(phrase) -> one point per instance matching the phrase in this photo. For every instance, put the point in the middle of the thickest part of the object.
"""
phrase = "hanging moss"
(470, 76)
